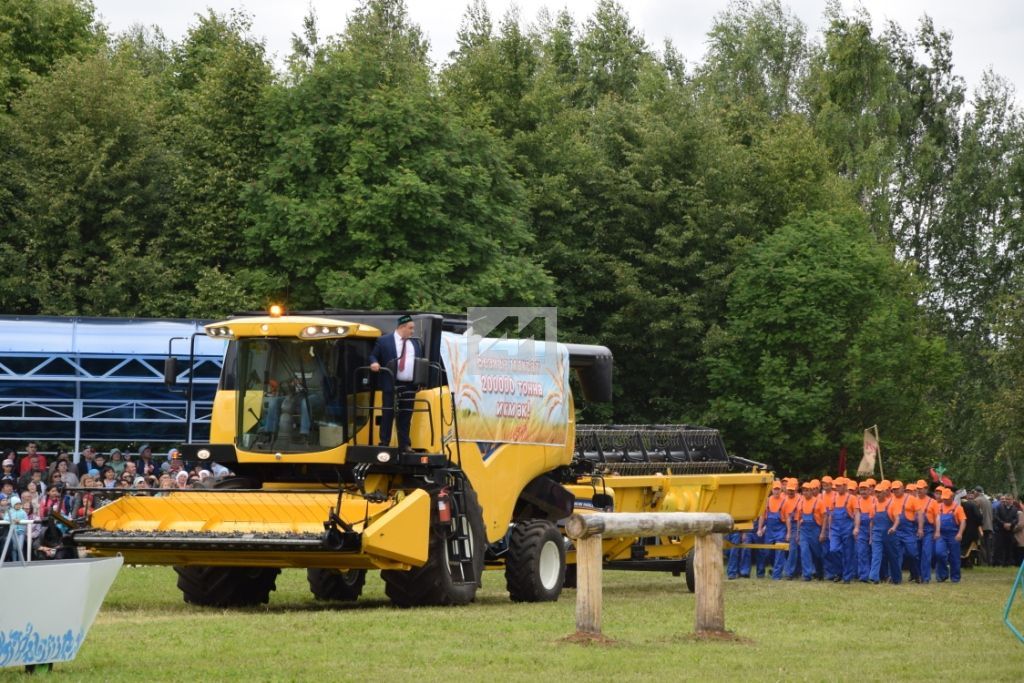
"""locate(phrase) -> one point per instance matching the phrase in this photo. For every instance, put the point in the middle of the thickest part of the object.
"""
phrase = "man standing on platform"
(398, 353)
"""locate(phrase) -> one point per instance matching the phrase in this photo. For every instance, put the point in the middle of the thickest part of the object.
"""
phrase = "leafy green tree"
(97, 179)
(756, 58)
(215, 111)
(36, 34)
(822, 339)
(376, 194)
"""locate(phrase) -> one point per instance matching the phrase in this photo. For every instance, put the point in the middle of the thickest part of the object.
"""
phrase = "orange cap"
(897, 484)
(826, 479)
(911, 487)
(851, 483)
(839, 481)
(776, 484)
(883, 486)
(807, 485)
(947, 494)
(791, 485)
(870, 482)
(922, 484)
(815, 484)
(863, 485)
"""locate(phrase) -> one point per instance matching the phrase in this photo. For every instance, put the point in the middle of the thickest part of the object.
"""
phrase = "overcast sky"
(985, 32)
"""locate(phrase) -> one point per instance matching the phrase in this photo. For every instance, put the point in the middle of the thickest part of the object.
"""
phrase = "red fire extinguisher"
(444, 511)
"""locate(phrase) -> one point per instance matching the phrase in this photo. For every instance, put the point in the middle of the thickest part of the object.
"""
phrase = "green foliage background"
(794, 238)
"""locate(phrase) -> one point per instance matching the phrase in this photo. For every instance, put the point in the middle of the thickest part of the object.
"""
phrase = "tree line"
(791, 238)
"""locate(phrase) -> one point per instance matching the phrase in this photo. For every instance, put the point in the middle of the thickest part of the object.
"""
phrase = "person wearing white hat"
(16, 515)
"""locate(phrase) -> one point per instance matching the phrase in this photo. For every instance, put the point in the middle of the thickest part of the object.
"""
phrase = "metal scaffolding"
(79, 380)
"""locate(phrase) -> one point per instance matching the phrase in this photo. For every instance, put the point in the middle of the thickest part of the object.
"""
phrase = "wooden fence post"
(588, 585)
(708, 571)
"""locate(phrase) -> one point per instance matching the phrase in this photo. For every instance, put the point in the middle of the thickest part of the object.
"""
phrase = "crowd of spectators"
(59, 491)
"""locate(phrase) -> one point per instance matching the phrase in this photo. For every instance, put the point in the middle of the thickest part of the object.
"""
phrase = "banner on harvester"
(508, 390)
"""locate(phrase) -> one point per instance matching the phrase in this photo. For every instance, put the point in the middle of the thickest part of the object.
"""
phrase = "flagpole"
(881, 470)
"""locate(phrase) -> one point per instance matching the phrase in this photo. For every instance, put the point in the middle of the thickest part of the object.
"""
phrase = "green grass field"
(788, 631)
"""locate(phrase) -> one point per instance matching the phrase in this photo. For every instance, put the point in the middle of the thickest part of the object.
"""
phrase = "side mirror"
(170, 371)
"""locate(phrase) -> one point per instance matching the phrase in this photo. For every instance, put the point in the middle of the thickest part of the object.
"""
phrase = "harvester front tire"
(334, 584)
(226, 586)
(691, 578)
(535, 566)
(433, 584)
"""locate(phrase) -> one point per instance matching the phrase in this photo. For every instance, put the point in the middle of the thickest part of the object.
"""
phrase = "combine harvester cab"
(296, 419)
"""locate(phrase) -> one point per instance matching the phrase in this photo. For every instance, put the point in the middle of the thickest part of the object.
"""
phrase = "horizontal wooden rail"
(625, 524)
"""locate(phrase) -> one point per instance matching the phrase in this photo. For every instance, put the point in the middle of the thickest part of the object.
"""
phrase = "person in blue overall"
(775, 528)
(812, 516)
(865, 510)
(905, 536)
(929, 509)
(947, 535)
(759, 556)
(739, 558)
(881, 525)
(791, 508)
(842, 522)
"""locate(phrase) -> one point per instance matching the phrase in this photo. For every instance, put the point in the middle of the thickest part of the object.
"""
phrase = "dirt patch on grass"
(581, 638)
(718, 637)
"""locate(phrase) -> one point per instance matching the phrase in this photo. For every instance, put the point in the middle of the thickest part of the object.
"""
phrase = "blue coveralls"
(759, 556)
(739, 558)
(793, 556)
(927, 545)
(810, 543)
(840, 537)
(905, 544)
(775, 532)
(864, 546)
(880, 525)
(947, 548)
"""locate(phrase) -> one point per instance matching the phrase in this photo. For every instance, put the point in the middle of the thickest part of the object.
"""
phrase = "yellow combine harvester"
(496, 461)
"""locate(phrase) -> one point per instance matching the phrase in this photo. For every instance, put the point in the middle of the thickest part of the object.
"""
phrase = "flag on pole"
(867, 463)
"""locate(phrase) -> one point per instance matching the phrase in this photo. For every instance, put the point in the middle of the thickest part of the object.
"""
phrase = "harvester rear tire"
(433, 584)
(334, 584)
(535, 565)
(691, 578)
(226, 586)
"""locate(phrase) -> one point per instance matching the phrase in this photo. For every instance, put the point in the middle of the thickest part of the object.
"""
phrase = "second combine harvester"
(497, 459)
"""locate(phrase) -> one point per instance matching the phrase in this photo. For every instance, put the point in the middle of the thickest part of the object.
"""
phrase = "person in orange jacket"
(903, 513)
(928, 509)
(775, 528)
(865, 511)
(881, 536)
(811, 520)
(791, 508)
(947, 535)
(842, 521)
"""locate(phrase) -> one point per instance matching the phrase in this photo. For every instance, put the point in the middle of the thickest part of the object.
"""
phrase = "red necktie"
(401, 356)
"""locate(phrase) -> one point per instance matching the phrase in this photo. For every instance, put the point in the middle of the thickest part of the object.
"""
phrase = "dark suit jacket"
(385, 352)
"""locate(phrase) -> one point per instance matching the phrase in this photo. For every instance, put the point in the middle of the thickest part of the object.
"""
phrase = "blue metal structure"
(78, 380)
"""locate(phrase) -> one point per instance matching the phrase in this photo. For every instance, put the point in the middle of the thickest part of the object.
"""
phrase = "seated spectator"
(181, 479)
(7, 469)
(16, 515)
(54, 502)
(32, 460)
(109, 477)
(116, 461)
(5, 507)
(68, 476)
